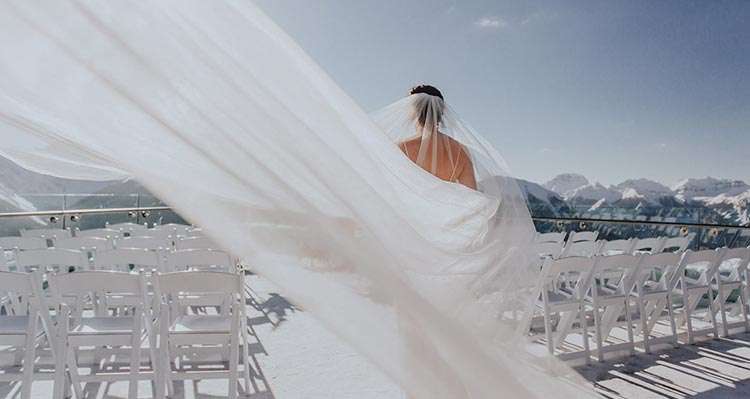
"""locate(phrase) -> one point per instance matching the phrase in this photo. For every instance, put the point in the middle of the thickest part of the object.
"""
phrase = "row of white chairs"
(119, 259)
(107, 309)
(115, 231)
(101, 239)
(548, 246)
(612, 288)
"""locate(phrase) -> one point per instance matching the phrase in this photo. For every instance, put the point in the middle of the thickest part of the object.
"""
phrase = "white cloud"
(491, 22)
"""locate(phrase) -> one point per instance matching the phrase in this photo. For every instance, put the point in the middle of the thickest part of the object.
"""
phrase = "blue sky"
(609, 89)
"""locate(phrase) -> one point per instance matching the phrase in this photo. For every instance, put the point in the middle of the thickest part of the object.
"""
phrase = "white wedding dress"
(218, 112)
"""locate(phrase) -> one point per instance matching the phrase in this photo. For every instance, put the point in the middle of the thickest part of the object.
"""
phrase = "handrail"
(84, 211)
(95, 211)
(638, 222)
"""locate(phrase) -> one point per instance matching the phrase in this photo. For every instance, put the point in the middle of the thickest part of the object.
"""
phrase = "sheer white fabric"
(215, 110)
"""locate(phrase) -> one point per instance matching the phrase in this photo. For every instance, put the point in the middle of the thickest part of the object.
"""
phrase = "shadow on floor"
(706, 369)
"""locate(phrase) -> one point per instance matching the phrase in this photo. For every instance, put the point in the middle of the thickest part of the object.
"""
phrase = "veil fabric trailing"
(218, 112)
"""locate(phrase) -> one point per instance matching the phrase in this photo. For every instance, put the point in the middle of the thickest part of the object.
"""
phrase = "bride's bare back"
(451, 161)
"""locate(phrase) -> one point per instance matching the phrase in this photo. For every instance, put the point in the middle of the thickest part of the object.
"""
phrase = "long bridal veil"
(218, 112)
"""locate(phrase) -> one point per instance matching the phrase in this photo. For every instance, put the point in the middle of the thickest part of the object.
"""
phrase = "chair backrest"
(84, 243)
(707, 262)
(575, 272)
(121, 259)
(661, 270)
(549, 249)
(50, 259)
(46, 233)
(152, 243)
(581, 248)
(100, 233)
(732, 264)
(651, 245)
(18, 283)
(72, 289)
(550, 237)
(164, 234)
(578, 236)
(616, 247)
(195, 243)
(126, 229)
(677, 244)
(196, 232)
(23, 243)
(618, 272)
(20, 288)
(180, 229)
(198, 281)
(200, 259)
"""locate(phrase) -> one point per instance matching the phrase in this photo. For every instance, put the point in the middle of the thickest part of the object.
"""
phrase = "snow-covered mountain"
(644, 191)
(703, 189)
(564, 184)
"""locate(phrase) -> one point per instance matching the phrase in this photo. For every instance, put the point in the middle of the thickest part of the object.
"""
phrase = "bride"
(431, 149)
(219, 113)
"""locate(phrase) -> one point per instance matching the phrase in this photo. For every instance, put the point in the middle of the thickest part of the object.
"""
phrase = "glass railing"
(83, 211)
(712, 227)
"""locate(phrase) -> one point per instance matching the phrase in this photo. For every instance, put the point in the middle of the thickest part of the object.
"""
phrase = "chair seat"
(104, 325)
(201, 324)
(13, 325)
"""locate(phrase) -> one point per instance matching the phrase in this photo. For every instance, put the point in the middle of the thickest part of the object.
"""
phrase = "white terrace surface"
(299, 359)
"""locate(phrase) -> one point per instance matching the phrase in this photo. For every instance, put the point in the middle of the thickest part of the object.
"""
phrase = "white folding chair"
(77, 328)
(610, 296)
(677, 244)
(201, 259)
(658, 275)
(549, 249)
(51, 260)
(125, 259)
(616, 247)
(565, 284)
(199, 242)
(550, 237)
(693, 290)
(126, 229)
(22, 243)
(652, 245)
(196, 232)
(141, 242)
(728, 278)
(19, 326)
(177, 329)
(180, 229)
(48, 234)
(577, 236)
(581, 248)
(84, 243)
(99, 233)
(162, 234)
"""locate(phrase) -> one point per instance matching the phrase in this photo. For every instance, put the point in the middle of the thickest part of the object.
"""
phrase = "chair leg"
(75, 380)
(598, 333)
(644, 325)
(234, 346)
(688, 316)
(135, 361)
(548, 331)
(60, 361)
(722, 311)
(743, 305)
(713, 312)
(585, 332)
(28, 361)
(628, 319)
(672, 321)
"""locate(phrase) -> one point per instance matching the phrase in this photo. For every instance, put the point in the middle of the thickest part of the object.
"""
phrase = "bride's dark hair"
(426, 89)
(424, 108)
